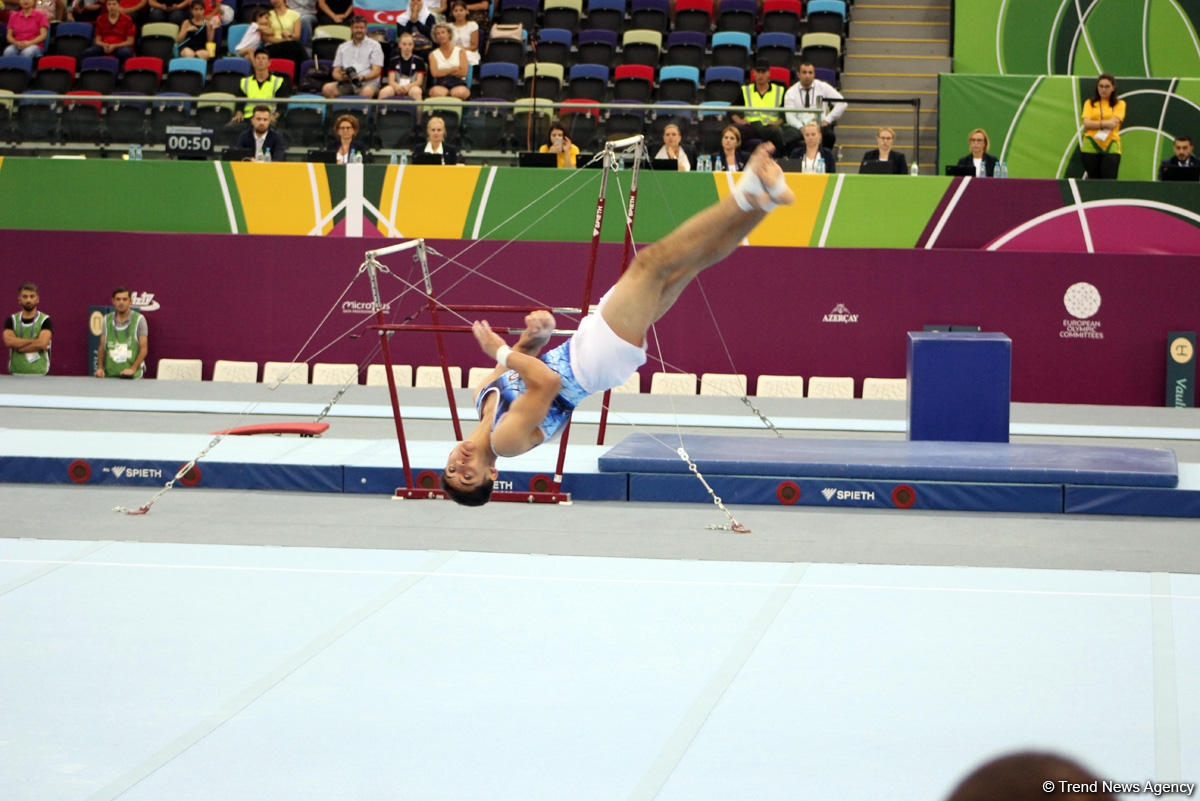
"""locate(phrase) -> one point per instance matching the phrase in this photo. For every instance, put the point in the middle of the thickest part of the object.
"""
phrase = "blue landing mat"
(975, 462)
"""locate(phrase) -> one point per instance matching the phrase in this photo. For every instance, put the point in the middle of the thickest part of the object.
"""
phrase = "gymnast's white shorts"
(599, 358)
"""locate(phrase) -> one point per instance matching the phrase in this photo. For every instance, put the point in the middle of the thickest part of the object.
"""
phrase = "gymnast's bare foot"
(770, 174)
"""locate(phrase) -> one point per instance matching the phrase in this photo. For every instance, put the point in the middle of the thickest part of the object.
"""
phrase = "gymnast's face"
(467, 467)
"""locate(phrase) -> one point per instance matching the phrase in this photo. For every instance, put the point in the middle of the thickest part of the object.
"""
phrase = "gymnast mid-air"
(530, 395)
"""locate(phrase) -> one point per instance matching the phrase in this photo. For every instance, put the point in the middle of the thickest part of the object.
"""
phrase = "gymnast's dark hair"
(1112, 101)
(473, 497)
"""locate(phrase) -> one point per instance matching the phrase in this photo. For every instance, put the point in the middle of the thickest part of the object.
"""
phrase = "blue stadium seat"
(737, 15)
(731, 49)
(779, 49)
(685, 48)
(554, 45)
(588, 82)
(678, 83)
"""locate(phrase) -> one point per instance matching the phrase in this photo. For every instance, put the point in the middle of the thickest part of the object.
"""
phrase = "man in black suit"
(259, 140)
(1183, 156)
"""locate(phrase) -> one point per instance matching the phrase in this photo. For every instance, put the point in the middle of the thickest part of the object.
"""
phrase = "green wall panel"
(868, 215)
(1033, 123)
(99, 195)
(552, 205)
(1152, 38)
(1176, 50)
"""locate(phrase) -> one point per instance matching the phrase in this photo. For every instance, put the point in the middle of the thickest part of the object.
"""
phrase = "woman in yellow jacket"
(1103, 114)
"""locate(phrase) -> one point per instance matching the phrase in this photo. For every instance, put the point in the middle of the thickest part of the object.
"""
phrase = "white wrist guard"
(502, 356)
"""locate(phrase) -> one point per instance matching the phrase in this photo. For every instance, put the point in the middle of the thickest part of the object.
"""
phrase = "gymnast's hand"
(488, 339)
(539, 326)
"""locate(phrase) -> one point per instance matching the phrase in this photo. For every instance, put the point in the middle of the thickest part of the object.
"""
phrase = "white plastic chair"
(673, 384)
(335, 374)
(632, 385)
(780, 386)
(476, 375)
(730, 384)
(285, 373)
(179, 370)
(401, 373)
(430, 375)
(885, 388)
(235, 372)
(823, 386)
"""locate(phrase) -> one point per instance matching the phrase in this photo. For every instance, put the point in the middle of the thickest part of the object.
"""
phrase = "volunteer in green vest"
(124, 342)
(27, 335)
(259, 86)
(765, 120)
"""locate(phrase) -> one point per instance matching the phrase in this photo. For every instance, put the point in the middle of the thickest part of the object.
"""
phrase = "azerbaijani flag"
(380, 10)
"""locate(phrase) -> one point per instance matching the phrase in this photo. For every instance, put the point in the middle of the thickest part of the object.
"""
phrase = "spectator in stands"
(764, 97)
(197, 36)
(114, 33)
(808, 92)
(256, 35)
(436, 148)
(136, 10)
(28, 29)
(561, 145)
(480, 13)
(814, 157)
(85, 11)
(222, 13)
(464, 31)
(27, 335)
(259, 140)
(405, 72)
(672, 148)
(448, 66)
(1023, 777)
(1103, 114)
(334, 12)
(885, 137)
(731, 157)
(259, 85)
(55, 10)
(418, 21)
(307, 9)
(176, 11)
(437, 8)
(124, 336)
(282, 39)
(357, 65)
(345, 143)
(982, 162)
(1183, 155)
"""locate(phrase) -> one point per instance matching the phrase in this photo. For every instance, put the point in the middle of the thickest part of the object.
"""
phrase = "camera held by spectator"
(351, 83)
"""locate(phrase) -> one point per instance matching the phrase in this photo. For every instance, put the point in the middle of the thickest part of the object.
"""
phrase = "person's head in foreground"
(1031, 776)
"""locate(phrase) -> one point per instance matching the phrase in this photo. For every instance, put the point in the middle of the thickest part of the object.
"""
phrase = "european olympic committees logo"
(1082, 301)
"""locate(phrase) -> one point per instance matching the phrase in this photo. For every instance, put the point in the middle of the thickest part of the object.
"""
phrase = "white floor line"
(676, 746)
(257, 689)
(793, 584)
